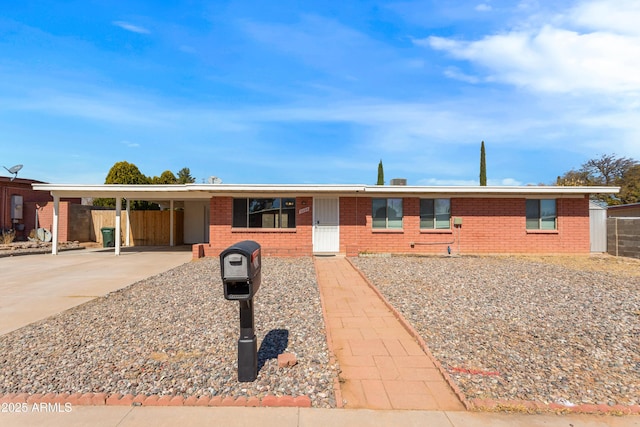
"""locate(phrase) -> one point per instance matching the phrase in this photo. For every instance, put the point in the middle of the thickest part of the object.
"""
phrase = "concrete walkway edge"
(332, 358)
(403, 321)
(518, 406)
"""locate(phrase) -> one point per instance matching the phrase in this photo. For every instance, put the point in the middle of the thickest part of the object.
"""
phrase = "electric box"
(16, 207)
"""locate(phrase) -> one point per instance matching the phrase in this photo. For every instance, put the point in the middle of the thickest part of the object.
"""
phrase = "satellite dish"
(14, 170)
(215, 180)
(43, 235)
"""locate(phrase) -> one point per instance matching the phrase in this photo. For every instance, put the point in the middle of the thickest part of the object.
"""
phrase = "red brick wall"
(489, 225)
(29, 197)
(279, 242)
(45, 219)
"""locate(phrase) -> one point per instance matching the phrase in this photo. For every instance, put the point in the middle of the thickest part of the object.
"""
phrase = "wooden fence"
(148, 228)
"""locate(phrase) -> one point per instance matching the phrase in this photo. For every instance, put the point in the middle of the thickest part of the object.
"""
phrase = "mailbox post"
(240, 266)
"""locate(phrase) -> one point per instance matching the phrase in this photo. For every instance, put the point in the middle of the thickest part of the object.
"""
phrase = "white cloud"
(97, 106)
(131, 27)
(455, 73)
(483, 7)
(620, 16)
(445, 182)
(504, 181)
(130, 144)
(559, 58)
(469, 182)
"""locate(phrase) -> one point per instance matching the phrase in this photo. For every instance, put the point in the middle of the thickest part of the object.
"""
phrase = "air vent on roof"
(399, 181)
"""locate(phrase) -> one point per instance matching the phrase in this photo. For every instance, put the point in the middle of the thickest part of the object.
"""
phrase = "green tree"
(184, 176)
(574, 178)
(167, 177)
(125, 173)
(630, 186)
(483, 166)
(608, 170)
(380, 174)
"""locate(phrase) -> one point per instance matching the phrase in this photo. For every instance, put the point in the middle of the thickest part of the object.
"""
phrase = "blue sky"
(318, 91)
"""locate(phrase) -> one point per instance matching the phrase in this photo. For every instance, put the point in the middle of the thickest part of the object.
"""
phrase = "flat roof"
(206, 191)
(628, 206)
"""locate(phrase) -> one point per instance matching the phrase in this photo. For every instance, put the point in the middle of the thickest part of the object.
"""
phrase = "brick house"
(21, 205)
(293, 220)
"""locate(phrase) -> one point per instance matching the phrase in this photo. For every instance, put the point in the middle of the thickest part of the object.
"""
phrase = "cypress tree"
(483, 167)
(380, 174)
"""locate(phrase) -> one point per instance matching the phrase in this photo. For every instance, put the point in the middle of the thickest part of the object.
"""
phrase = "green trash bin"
(108, 237)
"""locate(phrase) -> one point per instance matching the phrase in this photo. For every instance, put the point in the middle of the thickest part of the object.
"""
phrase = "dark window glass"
(264, 213)
(541, 214)
(239, 213)
(386, 213)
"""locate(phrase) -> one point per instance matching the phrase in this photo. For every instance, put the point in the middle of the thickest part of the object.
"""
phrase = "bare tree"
(608, 169)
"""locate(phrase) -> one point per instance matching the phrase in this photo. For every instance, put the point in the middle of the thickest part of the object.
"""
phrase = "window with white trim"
(386, 213)
(541, 214)
(435, 214)
(264, 213)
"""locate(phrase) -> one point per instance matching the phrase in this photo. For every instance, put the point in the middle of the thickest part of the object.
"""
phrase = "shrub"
(7, 236)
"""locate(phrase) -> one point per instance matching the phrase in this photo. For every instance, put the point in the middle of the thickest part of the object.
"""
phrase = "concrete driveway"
(34, 287)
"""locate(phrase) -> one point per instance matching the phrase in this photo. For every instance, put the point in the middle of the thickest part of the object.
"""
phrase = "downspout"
(356, 225)
(118, 224)
(56, 221)
(128, 225)
(4, 206)
(171, 237)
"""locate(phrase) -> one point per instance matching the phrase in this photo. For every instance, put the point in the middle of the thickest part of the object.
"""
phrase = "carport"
(153, 193)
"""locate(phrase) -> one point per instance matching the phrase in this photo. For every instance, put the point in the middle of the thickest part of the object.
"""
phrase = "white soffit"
(205, 191)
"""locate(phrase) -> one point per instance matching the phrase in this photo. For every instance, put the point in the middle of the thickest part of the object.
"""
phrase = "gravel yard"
(175, 334)
(561, 330)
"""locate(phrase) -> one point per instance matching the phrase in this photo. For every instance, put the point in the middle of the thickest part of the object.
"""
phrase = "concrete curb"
(530, 407)
(116, 399)
(490, 405)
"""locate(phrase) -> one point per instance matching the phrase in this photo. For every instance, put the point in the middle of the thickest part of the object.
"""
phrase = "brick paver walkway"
(383, 367)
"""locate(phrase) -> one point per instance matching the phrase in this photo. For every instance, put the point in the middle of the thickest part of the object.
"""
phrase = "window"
(264, 213)
(541, 214)
(435, 214)
(387, 213)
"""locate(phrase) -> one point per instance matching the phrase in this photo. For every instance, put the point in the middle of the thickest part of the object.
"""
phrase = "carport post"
(56, 212)
(118, 223)
(126, 236)
(171, 238)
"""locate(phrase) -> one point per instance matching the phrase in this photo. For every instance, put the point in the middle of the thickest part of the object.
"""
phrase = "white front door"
(326, 225)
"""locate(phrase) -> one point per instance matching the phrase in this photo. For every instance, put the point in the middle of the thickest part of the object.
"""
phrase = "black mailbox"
(240, 266)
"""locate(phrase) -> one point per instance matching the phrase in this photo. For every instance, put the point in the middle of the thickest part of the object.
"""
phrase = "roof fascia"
(493, 191)
(204, 191)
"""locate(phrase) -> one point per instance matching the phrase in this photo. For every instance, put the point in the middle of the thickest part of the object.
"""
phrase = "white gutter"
(189, 191)
(496, 191)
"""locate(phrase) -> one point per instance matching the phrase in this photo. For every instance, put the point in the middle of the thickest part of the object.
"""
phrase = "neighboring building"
(19, 203)
(630, 210)
(295, 220)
